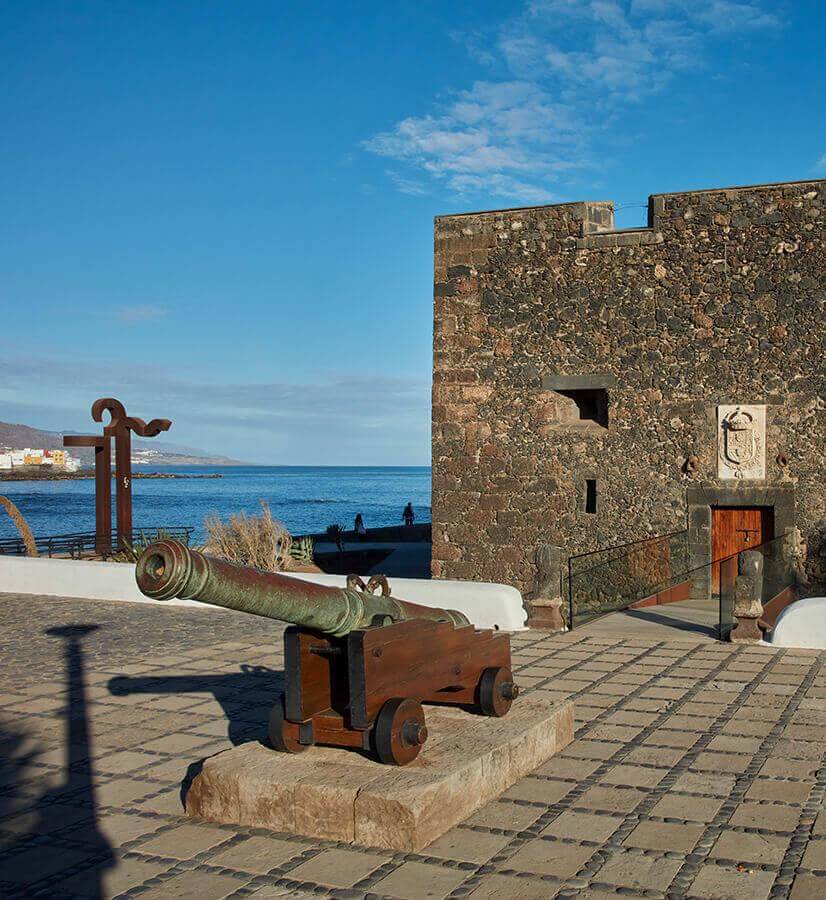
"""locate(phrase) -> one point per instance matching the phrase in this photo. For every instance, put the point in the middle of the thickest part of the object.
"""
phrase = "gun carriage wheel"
(282, 733)
(496, 691)
(400, 731)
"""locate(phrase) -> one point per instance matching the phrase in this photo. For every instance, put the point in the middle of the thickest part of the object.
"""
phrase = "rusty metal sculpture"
(120, 427)
(358, 665)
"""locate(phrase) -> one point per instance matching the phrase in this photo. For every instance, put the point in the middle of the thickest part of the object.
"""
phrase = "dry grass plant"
(22, 526)
(259, 541)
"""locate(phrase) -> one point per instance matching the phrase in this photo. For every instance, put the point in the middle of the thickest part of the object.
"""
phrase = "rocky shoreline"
(30, 475)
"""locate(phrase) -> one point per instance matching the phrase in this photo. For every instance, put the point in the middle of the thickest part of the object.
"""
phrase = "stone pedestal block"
(544, 602)
(748, 589)
(342, 795)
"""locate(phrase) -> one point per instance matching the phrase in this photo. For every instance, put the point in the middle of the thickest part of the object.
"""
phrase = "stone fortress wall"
(566, 352)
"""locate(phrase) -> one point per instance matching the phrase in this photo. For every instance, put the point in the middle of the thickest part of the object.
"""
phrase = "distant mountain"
(19, 436)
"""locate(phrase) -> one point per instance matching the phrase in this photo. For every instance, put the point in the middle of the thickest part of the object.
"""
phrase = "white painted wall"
(486, 605)
(802, 624)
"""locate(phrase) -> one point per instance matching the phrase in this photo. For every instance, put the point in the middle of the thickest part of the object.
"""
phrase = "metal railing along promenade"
(80, 543)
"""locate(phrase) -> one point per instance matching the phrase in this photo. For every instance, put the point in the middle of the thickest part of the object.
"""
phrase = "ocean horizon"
(305, 498)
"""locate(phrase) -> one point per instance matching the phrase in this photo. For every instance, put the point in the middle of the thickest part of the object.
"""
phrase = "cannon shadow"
(246, 698)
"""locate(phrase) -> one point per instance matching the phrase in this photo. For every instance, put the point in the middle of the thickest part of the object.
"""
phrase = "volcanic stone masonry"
(578, 371)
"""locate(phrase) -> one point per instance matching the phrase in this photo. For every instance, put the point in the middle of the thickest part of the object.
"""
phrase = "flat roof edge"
(715, 190)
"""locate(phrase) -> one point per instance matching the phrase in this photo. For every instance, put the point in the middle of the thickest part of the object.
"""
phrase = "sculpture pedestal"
(342, 795)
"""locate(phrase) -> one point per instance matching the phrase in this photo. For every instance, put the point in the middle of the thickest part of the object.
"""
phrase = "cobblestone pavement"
(697, 769)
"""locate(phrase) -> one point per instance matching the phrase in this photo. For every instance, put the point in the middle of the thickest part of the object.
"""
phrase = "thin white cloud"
(820, 165)
(487, 138)
(568, 68)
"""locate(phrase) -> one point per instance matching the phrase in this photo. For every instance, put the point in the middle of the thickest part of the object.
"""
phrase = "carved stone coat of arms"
(741, 442)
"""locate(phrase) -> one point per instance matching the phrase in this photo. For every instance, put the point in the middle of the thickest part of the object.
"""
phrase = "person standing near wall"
(358, 527)
(408, 515)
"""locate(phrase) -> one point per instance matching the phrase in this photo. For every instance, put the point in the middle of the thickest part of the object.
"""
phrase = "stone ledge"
(341, 795)
(607, 240)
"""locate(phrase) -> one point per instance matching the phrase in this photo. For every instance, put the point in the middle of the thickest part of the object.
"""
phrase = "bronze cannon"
(358, 665)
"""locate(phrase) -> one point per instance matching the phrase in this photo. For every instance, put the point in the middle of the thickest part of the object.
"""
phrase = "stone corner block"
(341, 795)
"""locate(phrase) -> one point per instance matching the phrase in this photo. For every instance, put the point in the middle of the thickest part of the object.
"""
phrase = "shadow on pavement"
(28, 818)
(646, 615)
(246, 697)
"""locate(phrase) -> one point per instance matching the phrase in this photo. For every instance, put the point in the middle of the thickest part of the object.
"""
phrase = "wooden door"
(736, 528)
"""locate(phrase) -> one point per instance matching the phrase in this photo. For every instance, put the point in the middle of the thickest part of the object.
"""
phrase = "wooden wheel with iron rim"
(496, 691)
(399, 732)
(283, 734)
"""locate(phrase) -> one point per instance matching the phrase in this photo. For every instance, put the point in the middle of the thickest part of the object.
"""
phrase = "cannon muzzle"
(168, 569)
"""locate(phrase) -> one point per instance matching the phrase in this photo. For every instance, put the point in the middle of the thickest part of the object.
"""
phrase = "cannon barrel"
(168, 569)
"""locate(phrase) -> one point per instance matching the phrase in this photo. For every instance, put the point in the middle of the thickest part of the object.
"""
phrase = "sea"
(305, 498)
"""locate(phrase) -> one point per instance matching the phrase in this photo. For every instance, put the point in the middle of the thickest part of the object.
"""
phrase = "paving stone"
(638, 871)
(589, 750)
(128, 872)
(561, 766)
(416, 879)
(583, 826)
(785, 791)
(122, 792)
(118, 828)
(753, 848)
(770, 816)
(124, 762)
(681, 806)
(633, 776)
(679, 739)
(735, 744)
(546, 857)
(257, 854)
(466, 845)
(655, 756)
(718, 882)
(338, 868)
(721, 762)
(705, 783)
(165, 803)
(196, 884)
(815, 856)
(538, 790)
(504, 887)
(612, 799)
(800, 749)
(183, 841)
(664, 836)
(42, 861)
(808, 887)
(508, 816)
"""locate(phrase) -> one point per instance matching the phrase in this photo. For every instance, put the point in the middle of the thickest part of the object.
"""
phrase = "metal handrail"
(77, 542)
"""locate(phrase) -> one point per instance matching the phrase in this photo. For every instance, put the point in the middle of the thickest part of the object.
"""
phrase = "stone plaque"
(741, 442)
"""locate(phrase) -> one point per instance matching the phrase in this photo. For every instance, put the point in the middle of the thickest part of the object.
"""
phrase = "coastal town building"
(593, 386)
(29, 456)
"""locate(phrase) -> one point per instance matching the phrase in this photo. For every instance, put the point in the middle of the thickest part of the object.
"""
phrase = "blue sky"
(222, 213)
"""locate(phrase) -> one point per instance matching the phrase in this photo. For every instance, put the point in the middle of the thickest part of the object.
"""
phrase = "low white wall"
(802, 624)
(74, 578)
(486, 605)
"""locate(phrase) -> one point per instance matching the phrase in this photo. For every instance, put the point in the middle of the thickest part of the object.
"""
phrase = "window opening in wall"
(590, 495)
(591, 404)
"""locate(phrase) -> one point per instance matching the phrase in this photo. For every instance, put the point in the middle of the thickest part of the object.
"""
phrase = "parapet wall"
(719, 301)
